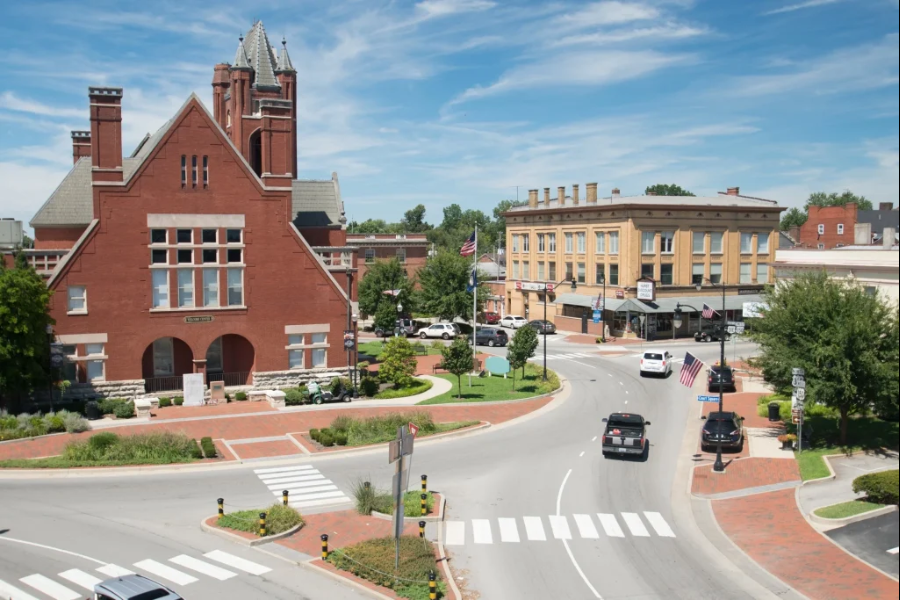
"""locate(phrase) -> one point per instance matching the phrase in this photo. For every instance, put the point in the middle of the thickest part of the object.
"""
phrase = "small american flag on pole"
(708, 312)
(690, 369)
(468, 249)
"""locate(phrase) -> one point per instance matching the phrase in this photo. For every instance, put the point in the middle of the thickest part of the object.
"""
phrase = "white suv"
(513, 321)
(656, 362)
(440, 330)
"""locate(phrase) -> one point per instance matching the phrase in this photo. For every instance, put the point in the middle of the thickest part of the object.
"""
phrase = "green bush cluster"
(329, 437)
(369, 386)
(279, 518)
(339, 383)
(124, 411)
(369, 499)
(209, 448)
(374, 430)
(240, 396)
(196, 451)
(178, 400)
(374, 560)
(27, 425)
(108, 406)
(418, 386)
(164, 402)
(156, 448)
(881, 487)
(295, 396)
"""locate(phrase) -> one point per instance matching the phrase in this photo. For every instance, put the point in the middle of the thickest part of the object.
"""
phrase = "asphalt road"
(871, 540)
(613, 528)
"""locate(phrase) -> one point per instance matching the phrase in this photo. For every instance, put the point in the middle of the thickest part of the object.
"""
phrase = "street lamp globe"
(574, 284)
(602, 280)
(699, 286)
(677, 318)
(399, 307)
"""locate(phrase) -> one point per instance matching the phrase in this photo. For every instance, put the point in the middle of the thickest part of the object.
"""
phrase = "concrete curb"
(871, 514)
(241, 540)
(445, 561)
(310, 565)
(435, 518)
(455, 432)
(827, 462)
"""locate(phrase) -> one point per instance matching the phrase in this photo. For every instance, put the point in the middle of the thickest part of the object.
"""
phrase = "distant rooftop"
(722, 200)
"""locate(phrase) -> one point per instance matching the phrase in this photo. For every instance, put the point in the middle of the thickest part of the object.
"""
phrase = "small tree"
(517, 353)
(794, 217)
(457, 359)
(386, 318)
(528, 341)
(667, 189)
(398, 362)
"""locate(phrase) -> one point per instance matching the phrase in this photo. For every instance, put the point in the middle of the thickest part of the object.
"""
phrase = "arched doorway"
(164, 361)
(230, 358)
(256, 151)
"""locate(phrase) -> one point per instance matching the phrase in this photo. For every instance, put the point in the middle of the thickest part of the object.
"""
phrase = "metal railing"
(44, 261)
(341, 259)
(230, 379)
(171, 383)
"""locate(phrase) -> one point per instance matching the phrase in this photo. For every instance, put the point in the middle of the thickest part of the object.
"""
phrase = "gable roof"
(317, 202)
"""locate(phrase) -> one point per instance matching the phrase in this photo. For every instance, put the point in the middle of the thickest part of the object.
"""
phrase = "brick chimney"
(651, 193)
(532, 198)
(575, 194)
(221, 83)
(106, 134)
(561, 195)
(735, 191)
(277, 142)
(615, 192)
(546, 196)
(885, 206)
(81, 145)
(591, 193)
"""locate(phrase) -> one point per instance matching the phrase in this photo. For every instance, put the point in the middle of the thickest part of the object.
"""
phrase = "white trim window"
(715, 272)
(211, 288)
(569, 248)
(540, 272)
(369, 254)
(552, 241)
(526, 242)
(697, 273)
(820, 229)
(160, 283)
(613, 242)
(745, 273)
(515, 269)
(667, 241)
(515, 243)
(296, 351)
(582, 242)
(746, 243)
(715, 242)
(762, 243)
(648, 242)
(840, 229)
(235, 282)
(526, 270)
(185, 288)
(600, 242)
(699, 242)
(95, 362)
(319, 353)
(77, 299)
(542, 247)
(762, 273)
(401, 255)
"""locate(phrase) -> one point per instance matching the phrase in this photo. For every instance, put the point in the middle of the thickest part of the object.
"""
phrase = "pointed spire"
(261, 57)
(284, 60)
(241, 61)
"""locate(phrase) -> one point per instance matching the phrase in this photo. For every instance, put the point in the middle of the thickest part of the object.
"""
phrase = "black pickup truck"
(624, 435)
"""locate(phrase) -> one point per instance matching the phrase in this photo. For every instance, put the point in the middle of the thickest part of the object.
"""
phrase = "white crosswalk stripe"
(79, 577)
(195, 564)
(534, 529)
(586, 526)
(560, 527)
(610, 525)
(8, 590)
(509, 531)
(236, 562)
(894, 550)
(455, 533)
(567, 356)
(306, 486)
(165, 571)
(114, 571)
(51, 588)
(635, 525)
(481, 531)
(659, 524)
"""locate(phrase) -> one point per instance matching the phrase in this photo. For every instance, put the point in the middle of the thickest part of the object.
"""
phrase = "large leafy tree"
(821, 199)
(381, 276)
(458, 225)
(793, 218)
(457, 360)
(443, 280)
(844, 338)
(414, 220)
(398, 362)
(375, 226)
(667, 189)
(24, 317)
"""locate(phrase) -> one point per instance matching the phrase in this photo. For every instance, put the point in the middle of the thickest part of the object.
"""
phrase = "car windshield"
(625, 420)
(151, 595)
(653, 356)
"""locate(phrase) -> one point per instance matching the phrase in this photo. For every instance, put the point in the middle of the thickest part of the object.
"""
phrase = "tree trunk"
(844, 422)
(459, 387)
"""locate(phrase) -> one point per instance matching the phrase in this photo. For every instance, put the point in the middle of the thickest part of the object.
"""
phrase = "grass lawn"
(61, 462)
(863, 434)
(419, 386)
(279, 518)
(495, 388)
(374, 348)
(847, 509)
(438, 428)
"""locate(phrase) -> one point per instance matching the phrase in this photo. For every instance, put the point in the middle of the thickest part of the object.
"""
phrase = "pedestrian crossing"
(894, 550)
(558, 527)
(68, 585)
(307, 487)
(567, 356)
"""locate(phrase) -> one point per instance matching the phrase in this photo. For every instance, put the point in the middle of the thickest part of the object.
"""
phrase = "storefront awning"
(661, 305)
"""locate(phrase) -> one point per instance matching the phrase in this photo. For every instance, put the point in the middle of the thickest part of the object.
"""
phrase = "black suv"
(407, 328)
(711, 333)
(491, 336)
(721, 379)
(726, 428)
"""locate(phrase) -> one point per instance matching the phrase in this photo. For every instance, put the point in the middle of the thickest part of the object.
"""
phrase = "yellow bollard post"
(262, 524)
(284, 497)
(432, 586)
(324, 546)
(421, 529)
(424, 508)
(221, 503)
(424, 484)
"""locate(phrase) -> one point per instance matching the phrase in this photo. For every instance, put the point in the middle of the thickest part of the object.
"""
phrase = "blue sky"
(442, 101)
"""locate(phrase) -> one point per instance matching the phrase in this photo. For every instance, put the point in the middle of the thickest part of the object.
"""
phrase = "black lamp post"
(719, 466)
(603, 310)
(544, 326)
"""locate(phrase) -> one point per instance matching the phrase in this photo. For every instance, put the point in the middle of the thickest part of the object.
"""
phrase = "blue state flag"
(473, 281)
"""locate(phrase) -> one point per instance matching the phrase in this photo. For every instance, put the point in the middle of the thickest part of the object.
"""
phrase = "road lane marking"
(317, 496)
(262, 472)
(594, 439)
(659, 524)
(112, 570)
(584, 578)
(50, 588)
(10, 592)
(455, 533)
(292, 479)
(165, 571)
(560, 527)
(509, 531)
(610, 525)
(314, 503)
(301, 492)
(534, 529)
(195, 564)
(582, 454)
(305, 482)
(620, 383)
(237, 562)
(635, 525)
(79, 577)
(481, 531)
(586, 527)
(17, 541)
(894, 550)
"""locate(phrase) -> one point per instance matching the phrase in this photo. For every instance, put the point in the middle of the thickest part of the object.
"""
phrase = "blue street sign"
(707, 398)
(597, 316)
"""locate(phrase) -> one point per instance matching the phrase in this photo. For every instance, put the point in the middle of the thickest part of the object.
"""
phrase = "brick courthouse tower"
(200, 251)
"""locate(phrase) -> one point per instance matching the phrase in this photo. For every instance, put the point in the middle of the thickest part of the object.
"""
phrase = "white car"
(440, 330)
(513, 321)
(656, 362)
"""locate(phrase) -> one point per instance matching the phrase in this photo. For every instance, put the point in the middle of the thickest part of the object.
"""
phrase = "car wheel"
(740, 447)
(445, 336)
(319, 400)
(423, 335)
(491, 343)
(348, 397)
(643, 374)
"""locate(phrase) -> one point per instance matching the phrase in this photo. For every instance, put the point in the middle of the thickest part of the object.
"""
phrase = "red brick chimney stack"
(220, 83)
(287, 77)
(106, 134)
(81, 145)
(734, 191)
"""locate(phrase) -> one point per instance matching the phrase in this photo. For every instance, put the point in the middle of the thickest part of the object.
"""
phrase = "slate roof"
(317, 202)
(284, 60)
(879, 219)
(261, 57)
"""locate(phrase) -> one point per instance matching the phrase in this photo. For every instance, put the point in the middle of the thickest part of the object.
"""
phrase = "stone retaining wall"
(276, 380)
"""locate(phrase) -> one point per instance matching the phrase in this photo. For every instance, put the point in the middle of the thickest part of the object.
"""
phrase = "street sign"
(796, 417)
(798, 381)
(736, 327)
(707, 398)
(406, 442)
(348, 340)
(57, 356)
(800, 394)
(393, 451)
(597, 316)
(798, 371)
(413, 429)
(732, 329)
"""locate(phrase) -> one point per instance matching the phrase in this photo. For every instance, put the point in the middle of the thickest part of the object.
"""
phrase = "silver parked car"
(133, 587)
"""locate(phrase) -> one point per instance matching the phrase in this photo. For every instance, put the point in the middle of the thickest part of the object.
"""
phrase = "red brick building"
(411, 249)
(836, 226)
(199, 251)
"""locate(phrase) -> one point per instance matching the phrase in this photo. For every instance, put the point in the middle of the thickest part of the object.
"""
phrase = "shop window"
(613, 275)
(235, 287)
(158, 236)
(648, 242)
(647, 271)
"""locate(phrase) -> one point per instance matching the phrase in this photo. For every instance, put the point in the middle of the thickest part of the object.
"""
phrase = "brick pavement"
(230, 408)
(744, 403)
(266, 449)
(771, 530)
(742, 474)
(344, 528)
(277, 424)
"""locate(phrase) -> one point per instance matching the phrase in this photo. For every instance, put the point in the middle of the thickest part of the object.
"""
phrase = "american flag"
(689, 369)
(708, 312)
(468, 249)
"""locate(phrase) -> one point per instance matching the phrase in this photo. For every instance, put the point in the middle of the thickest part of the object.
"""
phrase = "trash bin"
(92, 410)
(774, 411)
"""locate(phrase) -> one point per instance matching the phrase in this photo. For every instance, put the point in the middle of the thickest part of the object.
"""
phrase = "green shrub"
(340, 438)
(341, 423)
(8, 422)
(279, 518)
(335, 386)
(98, 443)
(881, 487)
(178, 400)
(108, 405)
(124, 411)
(55, 422)
(374, 430)
(436, 345)
(384, 503)
(365, 497)
(209, 448)
(374, 560)
(314, 434)
(418, 386)
(165, 402)
(412, 503)
(75, 423)
(196, 452)
(293, 397)
(369, 386)
(240, 396)
(325, 438)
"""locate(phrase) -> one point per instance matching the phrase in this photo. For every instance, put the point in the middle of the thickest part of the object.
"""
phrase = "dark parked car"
(721, 378)
(407, 328)
(711, 333)
(726, 428)
(490, 318)
(542, 326)
(491, 336)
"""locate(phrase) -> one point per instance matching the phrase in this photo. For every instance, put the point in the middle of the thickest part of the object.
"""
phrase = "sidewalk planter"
(787, 441)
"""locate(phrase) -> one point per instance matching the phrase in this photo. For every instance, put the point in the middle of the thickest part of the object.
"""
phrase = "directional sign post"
(707, 398)
(798, 380)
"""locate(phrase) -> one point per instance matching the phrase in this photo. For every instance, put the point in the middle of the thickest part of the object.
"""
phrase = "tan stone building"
(668, 244)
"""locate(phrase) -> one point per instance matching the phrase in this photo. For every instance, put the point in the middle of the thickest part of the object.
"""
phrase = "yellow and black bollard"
(324, 546)
(421, 529)
(262, 524)
(367, 485)
(432, 586)
(284, 497)
(221, 503)
(424, 507)
(424, 484)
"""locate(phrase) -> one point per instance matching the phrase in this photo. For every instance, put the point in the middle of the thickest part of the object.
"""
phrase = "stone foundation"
(130, 388)
(276, 380)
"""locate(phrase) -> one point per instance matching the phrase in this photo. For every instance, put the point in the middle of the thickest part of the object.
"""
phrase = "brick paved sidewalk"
(344, 528)
(744, 474)
(771, 530)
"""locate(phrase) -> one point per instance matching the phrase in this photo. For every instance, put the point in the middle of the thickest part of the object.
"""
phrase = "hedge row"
(881, 487)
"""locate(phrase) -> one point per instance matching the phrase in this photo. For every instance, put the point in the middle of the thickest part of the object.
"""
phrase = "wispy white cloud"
(605, 13)
(671, 31)
(10, 101)
(443, 8)
(800, 6)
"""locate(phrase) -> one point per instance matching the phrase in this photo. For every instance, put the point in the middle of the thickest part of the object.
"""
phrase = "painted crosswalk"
(306, 486)
(560, 527)
(567, 356)
(894, 550)
(72, 583)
